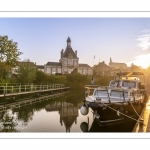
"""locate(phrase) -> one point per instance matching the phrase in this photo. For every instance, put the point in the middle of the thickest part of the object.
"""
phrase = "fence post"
(6, 89)
(31, 86)
(20, 88)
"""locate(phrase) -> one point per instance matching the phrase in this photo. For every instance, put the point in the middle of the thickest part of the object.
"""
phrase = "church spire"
(110, 60)
(68, 42)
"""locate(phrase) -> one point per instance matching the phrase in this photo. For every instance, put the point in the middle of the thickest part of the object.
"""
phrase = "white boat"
(124, 95)
(121, 91)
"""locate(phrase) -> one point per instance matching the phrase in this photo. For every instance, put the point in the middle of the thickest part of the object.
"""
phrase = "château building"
(67, 63)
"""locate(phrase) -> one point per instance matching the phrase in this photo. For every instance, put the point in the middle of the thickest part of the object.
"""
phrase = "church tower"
(110, 60)
(69, 59)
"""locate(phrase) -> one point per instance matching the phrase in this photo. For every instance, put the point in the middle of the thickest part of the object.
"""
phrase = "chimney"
(76, 52)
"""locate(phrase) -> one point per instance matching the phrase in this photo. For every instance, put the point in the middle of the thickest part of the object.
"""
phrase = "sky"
(125, 40)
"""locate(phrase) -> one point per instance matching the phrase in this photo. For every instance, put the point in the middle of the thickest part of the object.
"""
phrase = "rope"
(135, 111)
(121, 113)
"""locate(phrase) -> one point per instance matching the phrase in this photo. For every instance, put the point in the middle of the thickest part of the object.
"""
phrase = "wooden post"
(12, 89)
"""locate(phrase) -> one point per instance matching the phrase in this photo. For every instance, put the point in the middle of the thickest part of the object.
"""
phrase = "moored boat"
(123, 98)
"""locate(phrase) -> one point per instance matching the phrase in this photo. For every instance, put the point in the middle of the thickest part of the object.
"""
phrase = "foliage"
(27, 72)
(9, 55)
(102, 80)
(77, 81)
(135, 68)
(42, 78)
(75, 71)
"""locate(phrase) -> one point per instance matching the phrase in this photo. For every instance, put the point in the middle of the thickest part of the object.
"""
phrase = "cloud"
(144, 41)
(145, 31)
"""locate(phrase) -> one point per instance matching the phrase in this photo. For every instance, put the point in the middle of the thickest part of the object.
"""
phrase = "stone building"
(102, 69)
(67, 63)
(116, 65)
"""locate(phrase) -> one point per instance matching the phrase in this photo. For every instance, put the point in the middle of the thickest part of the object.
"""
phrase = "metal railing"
(18, 88)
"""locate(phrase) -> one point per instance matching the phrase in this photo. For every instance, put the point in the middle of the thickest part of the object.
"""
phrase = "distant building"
(102, 68)
(67, 63)
(116, 65)
(40, 67)
(15, 70)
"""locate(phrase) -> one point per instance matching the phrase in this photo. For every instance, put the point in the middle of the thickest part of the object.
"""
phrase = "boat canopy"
(129, 73)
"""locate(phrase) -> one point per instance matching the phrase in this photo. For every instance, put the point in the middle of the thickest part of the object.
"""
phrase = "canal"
(60, 114)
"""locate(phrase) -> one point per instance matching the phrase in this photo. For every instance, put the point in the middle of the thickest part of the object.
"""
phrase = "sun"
(142, 60)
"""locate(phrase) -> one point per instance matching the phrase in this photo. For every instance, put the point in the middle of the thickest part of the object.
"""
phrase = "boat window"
(100, 93)
(118, 93)
(128, 84)
(114, 83)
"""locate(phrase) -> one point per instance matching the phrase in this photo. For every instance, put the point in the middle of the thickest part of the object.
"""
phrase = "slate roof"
(53, 64)
(68, 51)
(84, 65)
(25, 62)
(40, 66)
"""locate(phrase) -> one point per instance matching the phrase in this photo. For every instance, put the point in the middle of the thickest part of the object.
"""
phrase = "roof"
(53, 64)
(129, 73)
(68, 40)
(69, 51)
(40, 66)
(26, 62)
(84, 65)
(101, 64)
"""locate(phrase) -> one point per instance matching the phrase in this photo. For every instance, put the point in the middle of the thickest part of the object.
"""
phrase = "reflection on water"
(61, 114)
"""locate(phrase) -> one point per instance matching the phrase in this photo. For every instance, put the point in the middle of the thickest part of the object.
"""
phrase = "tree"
(75, 71)
(41, 77)
(9, 55)
(135, 68)
(27, 72)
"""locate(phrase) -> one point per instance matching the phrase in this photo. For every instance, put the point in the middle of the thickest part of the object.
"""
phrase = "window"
(59, 70)
(70, 62)
(65, 62)
(128, 84)
(75, 62)
(118, 93)
(114, 83)
(101, 93)
(48, 70)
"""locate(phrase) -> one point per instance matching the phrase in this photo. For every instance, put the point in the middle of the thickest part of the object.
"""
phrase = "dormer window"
(70, 55)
